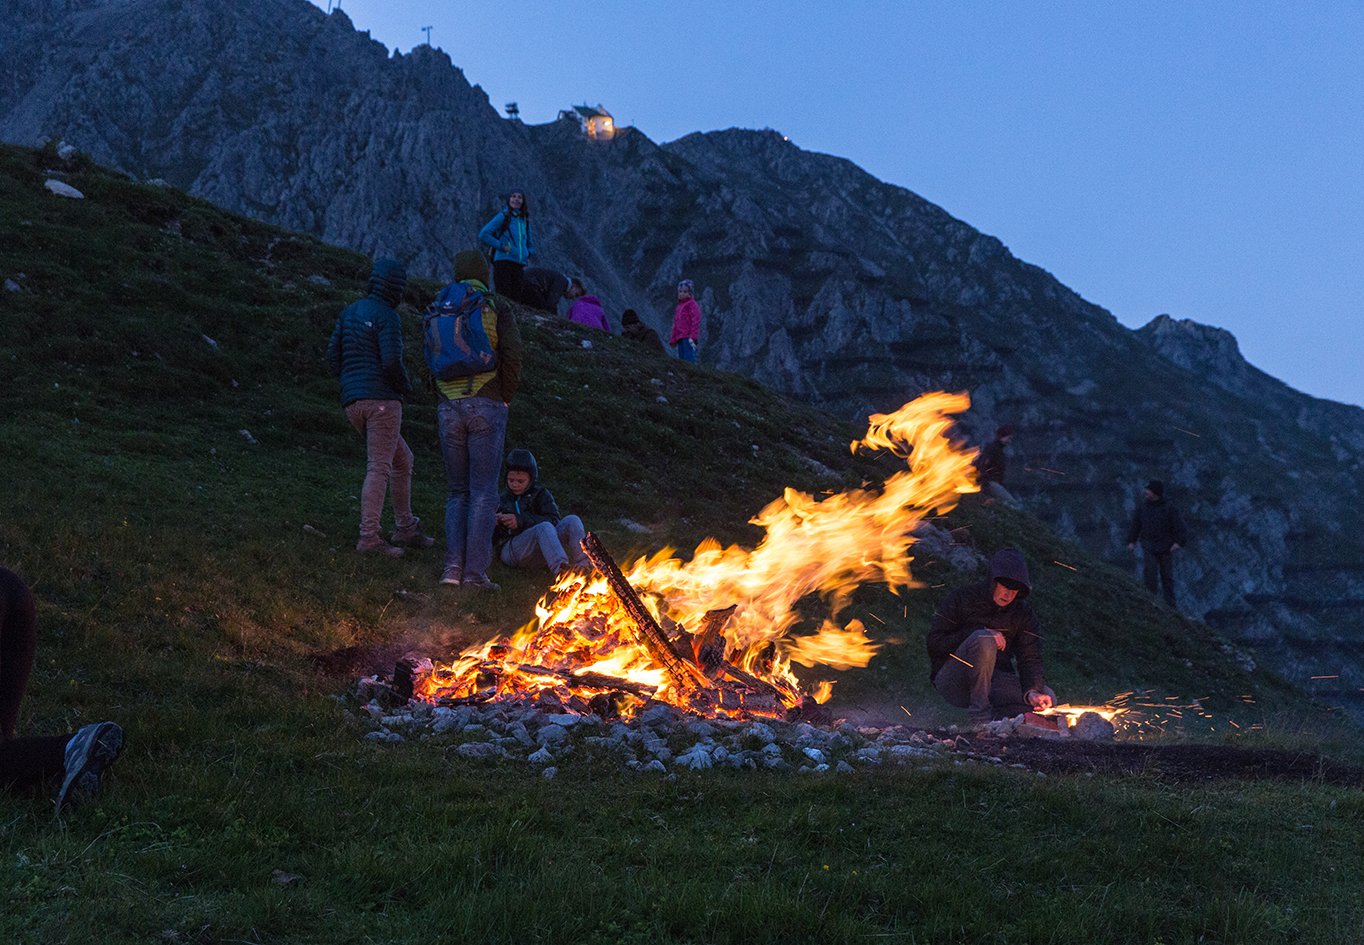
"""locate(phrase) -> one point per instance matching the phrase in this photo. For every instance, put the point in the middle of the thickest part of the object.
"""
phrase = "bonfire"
(713, 635)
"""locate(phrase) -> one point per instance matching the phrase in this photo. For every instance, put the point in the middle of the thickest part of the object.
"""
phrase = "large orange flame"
(583, 643)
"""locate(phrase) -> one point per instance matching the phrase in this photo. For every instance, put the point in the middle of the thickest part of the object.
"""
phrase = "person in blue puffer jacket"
(508, 235)
(366, 352)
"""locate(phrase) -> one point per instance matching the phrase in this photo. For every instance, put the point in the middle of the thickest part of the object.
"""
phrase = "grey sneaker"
(452, 576)
(481, 583)
(377, 546)
(412, 537)
(88, 755)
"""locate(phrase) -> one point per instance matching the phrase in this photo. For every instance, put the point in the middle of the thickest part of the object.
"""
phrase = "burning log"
(708, 644)
(651, 635)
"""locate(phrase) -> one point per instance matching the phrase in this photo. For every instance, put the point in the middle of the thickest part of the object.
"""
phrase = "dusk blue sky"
(1204, 160)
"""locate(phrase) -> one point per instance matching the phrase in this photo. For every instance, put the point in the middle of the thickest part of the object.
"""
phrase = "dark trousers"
(1162, 563)
(507, 278)
(24, 762)
(972, 682)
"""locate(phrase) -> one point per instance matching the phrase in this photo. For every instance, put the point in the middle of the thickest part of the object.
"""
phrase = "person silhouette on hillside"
(586, 309)
(634, 329)
(508, 235)
(541, 289)
(1157, 524)
(80, 759)
(985, 645)
(366, 353)
(991, 465)
(686, 334)
(471, 418)
(529, 528)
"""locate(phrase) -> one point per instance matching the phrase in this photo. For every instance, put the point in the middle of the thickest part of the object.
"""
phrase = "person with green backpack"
(510, 243)
(466, 326)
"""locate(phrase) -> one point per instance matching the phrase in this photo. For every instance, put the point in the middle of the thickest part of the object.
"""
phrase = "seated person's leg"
(571, 532)
(538, 544)
(964, 681)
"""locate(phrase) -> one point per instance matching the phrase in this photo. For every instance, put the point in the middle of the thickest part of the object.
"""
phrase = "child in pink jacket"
(686, 322)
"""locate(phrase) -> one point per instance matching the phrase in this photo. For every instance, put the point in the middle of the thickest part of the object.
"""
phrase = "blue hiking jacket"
(366, 347)
(517, 235)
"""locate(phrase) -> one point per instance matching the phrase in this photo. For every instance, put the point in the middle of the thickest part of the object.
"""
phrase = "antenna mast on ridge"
(427, 31)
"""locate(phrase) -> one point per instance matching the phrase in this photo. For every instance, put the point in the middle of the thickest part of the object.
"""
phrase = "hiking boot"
(88, 755)
(481, 583)
(411, 537)
(372, 546)
(452, 576)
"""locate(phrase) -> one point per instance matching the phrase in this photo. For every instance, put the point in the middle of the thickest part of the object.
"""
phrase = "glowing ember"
(1072, 712)
(724, 616)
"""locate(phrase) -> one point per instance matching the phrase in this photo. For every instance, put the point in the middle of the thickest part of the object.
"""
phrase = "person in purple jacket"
(585, 309)
(686, 334)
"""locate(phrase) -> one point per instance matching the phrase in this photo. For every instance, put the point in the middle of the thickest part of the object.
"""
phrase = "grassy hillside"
(181, 594)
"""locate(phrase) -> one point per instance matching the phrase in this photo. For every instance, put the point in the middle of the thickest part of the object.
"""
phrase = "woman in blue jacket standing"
(508, 235)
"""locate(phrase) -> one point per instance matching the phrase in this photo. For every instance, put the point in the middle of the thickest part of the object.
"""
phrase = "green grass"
(180, 594)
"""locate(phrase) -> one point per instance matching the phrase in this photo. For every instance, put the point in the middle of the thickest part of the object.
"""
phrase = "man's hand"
(1000, 642)
(1174, 547)
(1040, 700)
(506, 520)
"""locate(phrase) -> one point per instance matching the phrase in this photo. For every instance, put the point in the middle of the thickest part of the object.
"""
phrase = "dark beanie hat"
(1157, 488)
(387, 280)
(471, 264)
(628, 317)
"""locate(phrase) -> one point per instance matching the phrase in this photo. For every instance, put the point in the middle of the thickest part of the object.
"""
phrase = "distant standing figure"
(586, 309)
(634, 329)
(508, 235)
(366, 353)
(541, 289)
(991, 465)
(1159, 527)
(529, 527)
(686, 322)
(471, 418)
(80, 759)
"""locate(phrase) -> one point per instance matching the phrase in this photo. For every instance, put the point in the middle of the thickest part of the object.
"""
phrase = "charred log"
(650, 634)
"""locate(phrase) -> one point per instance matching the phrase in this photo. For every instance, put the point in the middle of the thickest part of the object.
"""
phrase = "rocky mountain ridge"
(817, 279)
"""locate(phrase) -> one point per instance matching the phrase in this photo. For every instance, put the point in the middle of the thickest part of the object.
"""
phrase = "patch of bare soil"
(1175, 763)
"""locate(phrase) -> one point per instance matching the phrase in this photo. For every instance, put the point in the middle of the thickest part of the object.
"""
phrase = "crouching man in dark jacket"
(529, 528)
(979, 633)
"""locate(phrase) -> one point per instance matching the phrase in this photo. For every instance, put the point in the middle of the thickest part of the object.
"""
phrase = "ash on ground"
(664, 739)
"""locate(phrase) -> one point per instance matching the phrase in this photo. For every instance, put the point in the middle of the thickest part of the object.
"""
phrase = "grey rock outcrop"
(815, 278)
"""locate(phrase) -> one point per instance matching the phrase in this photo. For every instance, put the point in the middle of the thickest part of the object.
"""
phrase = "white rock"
(660, 399)
(845, 768)
(761, 732)
(12, 286)
(655, 765)
(63, 190)
(814, 754)
(549, 773)
(383, 735)
(210, 342)
(1093, 727)
(479, 750)
(696, 758)
(587, 345)
(551, 735)
(541, 756)
(66, 151)
(246, 435)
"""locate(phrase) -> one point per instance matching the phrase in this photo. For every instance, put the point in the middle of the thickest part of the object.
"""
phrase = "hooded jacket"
(366, 346)
(516, 235)
(973, 608)
(587, 311)
(531, 507)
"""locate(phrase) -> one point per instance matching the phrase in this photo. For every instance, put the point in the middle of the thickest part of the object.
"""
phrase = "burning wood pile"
(712, 636)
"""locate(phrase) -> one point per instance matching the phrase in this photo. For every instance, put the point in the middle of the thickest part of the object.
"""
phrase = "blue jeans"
(554, 546)
(472, 431)
(686, 350)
